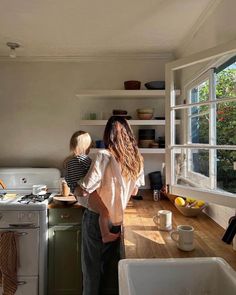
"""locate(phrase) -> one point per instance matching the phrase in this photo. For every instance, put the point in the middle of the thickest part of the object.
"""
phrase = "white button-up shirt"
(105, 176)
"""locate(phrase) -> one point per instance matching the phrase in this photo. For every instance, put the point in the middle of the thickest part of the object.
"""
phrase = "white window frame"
(210, 182)
(219, 197)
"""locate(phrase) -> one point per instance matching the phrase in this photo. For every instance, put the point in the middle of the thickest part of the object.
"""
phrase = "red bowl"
(132, 85)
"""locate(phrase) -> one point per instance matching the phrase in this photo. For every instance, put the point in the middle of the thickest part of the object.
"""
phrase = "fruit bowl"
(189, 207)
(189, 211)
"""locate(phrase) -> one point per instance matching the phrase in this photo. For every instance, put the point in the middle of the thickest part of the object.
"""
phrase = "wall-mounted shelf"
(124, 93)
(131, 122)
(142, 150)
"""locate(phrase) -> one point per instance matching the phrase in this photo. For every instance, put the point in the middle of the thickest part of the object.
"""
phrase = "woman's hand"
(79, 192)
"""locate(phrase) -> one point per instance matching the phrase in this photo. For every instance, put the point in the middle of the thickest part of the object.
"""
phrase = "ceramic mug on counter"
(39, 189)
(163, 219)
(184, 237)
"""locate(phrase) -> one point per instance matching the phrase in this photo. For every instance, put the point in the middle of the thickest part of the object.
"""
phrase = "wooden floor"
(142, 239)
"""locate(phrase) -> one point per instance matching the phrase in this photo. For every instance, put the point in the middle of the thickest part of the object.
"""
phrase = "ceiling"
(104, 27)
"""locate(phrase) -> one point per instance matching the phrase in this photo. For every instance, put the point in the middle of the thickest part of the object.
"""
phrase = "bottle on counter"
(156, 195)
(65, 188)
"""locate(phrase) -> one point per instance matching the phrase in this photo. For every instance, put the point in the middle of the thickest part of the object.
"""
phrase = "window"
(204, 162)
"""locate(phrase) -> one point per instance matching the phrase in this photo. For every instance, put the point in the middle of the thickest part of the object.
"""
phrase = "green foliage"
(225, 127)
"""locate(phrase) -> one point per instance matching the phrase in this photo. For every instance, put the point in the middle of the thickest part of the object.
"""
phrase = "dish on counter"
(64, 199)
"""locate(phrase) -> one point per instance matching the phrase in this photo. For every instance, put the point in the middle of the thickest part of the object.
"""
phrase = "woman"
(116, 174)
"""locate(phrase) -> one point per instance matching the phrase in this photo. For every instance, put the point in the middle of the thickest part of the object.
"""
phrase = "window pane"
(200, 129)
(226, 175)
(200, 93)
(199, 115)
(226, 123)
(226, 82)
(192, 167)
(199, 161)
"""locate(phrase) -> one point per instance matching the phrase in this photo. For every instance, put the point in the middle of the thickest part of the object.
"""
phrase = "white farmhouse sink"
(176, 276)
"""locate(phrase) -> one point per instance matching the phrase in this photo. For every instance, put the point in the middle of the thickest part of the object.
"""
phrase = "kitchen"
(39, 106)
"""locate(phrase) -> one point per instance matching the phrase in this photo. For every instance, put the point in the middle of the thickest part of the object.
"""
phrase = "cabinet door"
(65, 276)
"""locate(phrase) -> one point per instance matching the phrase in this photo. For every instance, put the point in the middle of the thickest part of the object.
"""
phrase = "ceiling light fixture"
(13, 46)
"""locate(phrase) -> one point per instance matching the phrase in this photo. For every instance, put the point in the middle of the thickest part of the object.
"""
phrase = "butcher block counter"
(142, 239)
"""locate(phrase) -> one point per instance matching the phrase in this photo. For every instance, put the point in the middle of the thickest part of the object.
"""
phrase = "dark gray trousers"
(95, 255)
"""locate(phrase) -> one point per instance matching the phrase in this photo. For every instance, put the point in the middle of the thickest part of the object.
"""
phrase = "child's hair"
(80, 144)
(120, 141)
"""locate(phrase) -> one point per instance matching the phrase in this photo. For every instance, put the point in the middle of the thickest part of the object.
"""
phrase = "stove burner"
(33, 198)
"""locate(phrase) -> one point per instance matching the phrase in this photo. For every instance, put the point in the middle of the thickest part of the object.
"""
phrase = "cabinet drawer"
(64, 215)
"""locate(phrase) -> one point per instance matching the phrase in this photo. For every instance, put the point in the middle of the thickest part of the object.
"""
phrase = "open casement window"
(201, 154)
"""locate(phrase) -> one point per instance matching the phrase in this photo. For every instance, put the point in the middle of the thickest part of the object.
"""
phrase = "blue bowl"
(160, 85)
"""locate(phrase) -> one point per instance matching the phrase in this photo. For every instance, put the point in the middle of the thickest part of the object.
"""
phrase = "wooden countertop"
(142, 239)
(54, 205)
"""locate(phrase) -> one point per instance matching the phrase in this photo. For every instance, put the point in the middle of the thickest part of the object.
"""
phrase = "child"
(77, 166)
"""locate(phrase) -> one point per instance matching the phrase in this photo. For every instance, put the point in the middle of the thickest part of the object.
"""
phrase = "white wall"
(40, 111)
(219, 28)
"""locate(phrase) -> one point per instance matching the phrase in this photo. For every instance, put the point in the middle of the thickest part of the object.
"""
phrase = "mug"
(163, 219)
(39, 189)
(185, 239)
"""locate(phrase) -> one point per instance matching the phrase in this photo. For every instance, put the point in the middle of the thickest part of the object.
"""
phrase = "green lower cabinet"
(64, 264)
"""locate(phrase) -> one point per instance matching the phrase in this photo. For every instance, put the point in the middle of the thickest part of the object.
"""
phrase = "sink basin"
(176, 276)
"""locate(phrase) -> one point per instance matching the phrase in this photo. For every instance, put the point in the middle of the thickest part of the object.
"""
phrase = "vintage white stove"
(26, 214)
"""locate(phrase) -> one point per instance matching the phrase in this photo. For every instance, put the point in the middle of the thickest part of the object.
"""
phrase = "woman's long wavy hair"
(120, 141)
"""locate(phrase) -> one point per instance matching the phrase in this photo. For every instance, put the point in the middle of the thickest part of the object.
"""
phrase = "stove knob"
(30, 216)
(21, 215)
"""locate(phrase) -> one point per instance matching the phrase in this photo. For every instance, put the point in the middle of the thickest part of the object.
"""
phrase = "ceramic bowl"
(145, 111)
(190, 211)
(145, 143)
(155, 85)
(132, 85)
(144, 116)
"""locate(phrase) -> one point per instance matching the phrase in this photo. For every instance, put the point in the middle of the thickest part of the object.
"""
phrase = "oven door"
(27, 250)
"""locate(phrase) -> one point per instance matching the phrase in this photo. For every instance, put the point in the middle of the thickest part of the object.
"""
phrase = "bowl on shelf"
(145, 113)
(119, 112)
(144, 116)
(145, 143)
(155, 85)
(132, 85)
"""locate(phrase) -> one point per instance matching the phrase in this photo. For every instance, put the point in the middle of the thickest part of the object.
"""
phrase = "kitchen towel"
(8, 262)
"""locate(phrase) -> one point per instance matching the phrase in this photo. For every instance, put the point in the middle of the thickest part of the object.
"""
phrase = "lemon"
(200, 203)
(180, 201)
(190, 200)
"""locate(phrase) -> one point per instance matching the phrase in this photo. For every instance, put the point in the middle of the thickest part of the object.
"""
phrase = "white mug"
(185, 239)
(39, 189)
(163, 219)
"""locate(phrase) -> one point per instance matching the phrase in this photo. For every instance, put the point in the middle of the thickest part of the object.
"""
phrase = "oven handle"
(14, 225)
(19, 283)
(22, 234)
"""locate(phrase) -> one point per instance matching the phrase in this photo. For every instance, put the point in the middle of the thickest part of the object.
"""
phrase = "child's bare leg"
(97, 205)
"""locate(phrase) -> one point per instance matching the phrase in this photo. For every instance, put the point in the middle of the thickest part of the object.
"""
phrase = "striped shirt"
(76, 169)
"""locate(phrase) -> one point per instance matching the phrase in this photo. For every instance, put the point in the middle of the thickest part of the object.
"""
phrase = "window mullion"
(212, 130)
